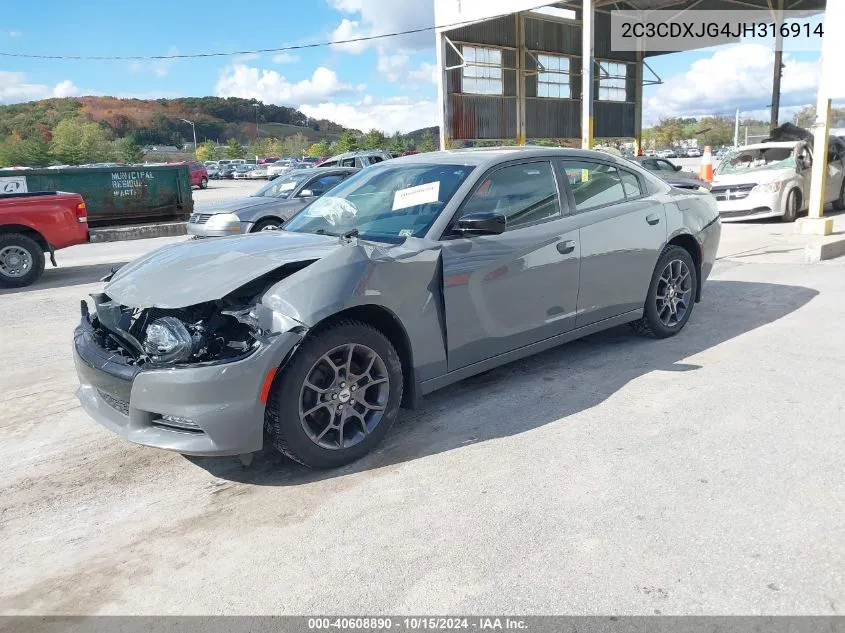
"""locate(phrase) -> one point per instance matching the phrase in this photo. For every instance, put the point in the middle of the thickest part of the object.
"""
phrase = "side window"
(593, 184)
(375, 159)
(630, 184)
(525, 194)
(651, 165)
(321, 185)
(329, 163)
(347, 162)
(665, 165)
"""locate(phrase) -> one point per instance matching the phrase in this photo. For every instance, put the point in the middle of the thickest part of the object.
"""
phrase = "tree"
(76, 142)
(295, 145)
(347, 142)
(398, 143)
(427, 142)
(35, 152)
(319, 149)
(206, 151)
(130, 150)
(374, 139)
(235, 149)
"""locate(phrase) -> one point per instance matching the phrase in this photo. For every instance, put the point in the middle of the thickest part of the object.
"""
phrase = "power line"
(280, 49)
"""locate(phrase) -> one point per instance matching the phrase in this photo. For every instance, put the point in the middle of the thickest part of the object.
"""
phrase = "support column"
(776, 75)
(442, 77)
(587, 66)
(816, 223)
(638, 104)
(520, 80)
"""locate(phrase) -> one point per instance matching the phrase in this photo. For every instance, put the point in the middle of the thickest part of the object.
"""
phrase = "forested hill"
(158, 121)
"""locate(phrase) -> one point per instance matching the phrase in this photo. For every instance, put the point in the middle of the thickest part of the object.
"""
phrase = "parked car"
(241, 172)
(672, 173)
(279, 167)
(226, 172)
(259, 172)
(312, 160)
(210, 163)
(198, 174)
(213, 172)
(772, 180)
(359, 159)
(268, 160)
(693, 152)
(269, 207)
(32, 224)
(409, 276)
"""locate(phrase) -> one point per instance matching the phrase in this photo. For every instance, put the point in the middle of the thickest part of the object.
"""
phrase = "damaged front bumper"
(207, 409)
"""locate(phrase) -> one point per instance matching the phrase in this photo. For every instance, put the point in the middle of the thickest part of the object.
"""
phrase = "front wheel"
(21, 260)
(270, 224)
(793, 202)
(671, 295)
(337, 398)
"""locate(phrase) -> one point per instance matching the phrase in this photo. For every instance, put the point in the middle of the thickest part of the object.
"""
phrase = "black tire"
(282, 416)
(203, 183)
(651, 324)
(266, 225)
(793, 204)
(839, 203)
(35, 253)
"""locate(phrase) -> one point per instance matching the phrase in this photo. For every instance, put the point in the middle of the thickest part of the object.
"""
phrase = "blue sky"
(385, 83)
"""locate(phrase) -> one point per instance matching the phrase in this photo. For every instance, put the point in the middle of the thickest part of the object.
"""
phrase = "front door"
(506, 291)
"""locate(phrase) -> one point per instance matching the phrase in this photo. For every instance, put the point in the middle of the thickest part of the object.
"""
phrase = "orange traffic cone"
(706, 171)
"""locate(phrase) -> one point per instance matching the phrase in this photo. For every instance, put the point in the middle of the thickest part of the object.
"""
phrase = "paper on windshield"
(412, 196)
(287, 186)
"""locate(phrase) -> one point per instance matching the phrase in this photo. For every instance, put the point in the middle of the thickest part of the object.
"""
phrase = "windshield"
(385, 203)
(745, 160)
(282, 187)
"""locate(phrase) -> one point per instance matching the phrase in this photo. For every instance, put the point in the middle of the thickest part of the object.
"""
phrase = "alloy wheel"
(344, 396)
(15, 261)
(674, 293)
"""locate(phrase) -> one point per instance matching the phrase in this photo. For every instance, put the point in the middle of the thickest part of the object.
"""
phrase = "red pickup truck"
(32, 224)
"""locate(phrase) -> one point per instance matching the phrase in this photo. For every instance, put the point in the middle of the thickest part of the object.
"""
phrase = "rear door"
(622, 231)
(506, 291)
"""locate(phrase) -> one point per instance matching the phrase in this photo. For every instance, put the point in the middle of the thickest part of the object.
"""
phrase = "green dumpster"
(114, 195)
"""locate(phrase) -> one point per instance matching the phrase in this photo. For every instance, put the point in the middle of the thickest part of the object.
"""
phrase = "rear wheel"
(203, 183)
(839, 203)
(671, 295)
(21, 260)
(337, 398)
(793, 203)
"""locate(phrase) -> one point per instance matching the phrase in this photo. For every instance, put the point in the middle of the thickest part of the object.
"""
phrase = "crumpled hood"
(238, 204)
(754, 177)
(196, 271)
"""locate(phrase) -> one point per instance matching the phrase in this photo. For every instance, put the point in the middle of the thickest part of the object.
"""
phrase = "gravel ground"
(696, 475)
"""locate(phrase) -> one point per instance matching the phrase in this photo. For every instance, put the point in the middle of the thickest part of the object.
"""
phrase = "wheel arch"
(30, 232)
(386, 322)
(691, 245)
(264, 218)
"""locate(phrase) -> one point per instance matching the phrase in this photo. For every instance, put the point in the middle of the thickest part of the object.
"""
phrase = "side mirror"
(678, 167)
(482, 223)
(305, 193)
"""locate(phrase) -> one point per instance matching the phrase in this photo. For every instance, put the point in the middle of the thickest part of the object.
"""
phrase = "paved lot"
(701, 474)
(220, 190)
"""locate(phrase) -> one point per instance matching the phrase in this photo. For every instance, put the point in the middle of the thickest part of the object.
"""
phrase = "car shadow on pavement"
(544, 388)
(68, 276)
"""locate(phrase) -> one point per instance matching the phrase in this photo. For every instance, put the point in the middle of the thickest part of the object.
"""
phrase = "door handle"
(652, 219)
(565, 247)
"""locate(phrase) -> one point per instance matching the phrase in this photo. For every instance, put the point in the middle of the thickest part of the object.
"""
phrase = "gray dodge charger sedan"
(408, 276)
(269, 207)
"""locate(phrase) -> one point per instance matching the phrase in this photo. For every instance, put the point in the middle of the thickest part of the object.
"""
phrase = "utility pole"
(194, 130)
(736, 130)
(778, 68)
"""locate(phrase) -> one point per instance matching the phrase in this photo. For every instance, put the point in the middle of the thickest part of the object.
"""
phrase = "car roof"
(489, 156)
(324, 170)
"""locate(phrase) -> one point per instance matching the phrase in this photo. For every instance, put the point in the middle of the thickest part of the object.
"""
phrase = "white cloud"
(14, 88)
(14, 33)
(377, 17)
(735, 77)
(426, 72)
(285, 58)
(397, 113)
(396, 68)
(239, 80)
(155, 67)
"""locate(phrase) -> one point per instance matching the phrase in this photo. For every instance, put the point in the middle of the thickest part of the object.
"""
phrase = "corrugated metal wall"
(472, 116)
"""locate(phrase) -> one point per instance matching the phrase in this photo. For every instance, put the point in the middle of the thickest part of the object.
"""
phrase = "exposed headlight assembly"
(168, 341)
(768, 187)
